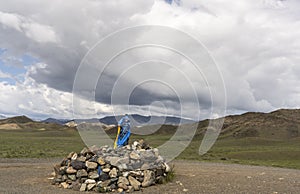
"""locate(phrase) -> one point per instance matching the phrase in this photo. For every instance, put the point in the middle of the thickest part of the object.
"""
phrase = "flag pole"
(115, 144)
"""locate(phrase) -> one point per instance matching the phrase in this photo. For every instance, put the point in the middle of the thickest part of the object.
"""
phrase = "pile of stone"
(104, 169)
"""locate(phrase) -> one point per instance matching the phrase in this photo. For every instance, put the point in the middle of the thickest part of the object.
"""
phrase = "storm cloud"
(254, 44)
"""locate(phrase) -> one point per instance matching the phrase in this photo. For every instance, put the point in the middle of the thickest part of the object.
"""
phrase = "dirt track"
(30, 176)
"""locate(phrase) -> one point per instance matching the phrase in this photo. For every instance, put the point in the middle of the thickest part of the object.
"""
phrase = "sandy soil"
(31, 176)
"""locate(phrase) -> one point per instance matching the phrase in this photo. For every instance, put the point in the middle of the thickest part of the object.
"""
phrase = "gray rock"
(64, 178)
(77, 164)
(159, 172)
(103, 177)
(134, 155)
(136, 165)
(85, 151)
(93, 159)
(149, 178)
(113, 160)
(123, 180)
(81, 159)
(91, 186)
(82, 187)
(56, 169)
(65, 162)
(140, 178)
(83, 179)
(130, 189)
(135, 183)
(113, 186)
(62, 170)
(156, 152)
(58, 180)
(160, 179)
(145, 166)
(88, 156)
(105, 183)
(125, 174)
(123, 186)
(81, 173)
(72, 177)
(93, 175)
(122, 167)
(91, 165)
(148, 155)
(114, 179)
(76, 186)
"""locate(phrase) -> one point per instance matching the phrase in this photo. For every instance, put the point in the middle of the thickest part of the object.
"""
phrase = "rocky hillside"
(278, 125)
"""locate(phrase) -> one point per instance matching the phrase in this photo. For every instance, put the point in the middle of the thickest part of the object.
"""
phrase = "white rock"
(64, 185)
(135, 143)
(90, 181)
(106, 170)
(113, 173)
(82, 187)
(168, 169)
(74, 157)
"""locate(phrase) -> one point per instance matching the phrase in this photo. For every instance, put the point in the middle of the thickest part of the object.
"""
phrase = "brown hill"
(16, 120)
(25, 123)
(280, 124)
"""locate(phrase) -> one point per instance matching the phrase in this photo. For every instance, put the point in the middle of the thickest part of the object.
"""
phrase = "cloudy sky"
(63, 58)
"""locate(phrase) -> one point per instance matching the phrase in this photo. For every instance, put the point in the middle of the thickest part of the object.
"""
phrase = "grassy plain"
(250, 150)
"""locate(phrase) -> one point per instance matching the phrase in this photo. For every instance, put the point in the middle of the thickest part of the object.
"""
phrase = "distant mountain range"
(135, 119)
(57, 121)
(140, 120)
(282, 124)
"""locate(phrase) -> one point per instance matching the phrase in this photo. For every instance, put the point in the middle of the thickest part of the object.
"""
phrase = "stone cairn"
(105, 169)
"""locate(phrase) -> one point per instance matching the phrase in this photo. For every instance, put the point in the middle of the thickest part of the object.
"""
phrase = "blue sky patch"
(14, 66)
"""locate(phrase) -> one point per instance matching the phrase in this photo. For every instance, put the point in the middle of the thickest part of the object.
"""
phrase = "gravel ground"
(31, 176)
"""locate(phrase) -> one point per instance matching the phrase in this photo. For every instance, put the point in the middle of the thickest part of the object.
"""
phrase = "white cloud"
(35, 31)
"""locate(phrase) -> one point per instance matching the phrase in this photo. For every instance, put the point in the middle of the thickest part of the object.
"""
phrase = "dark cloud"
(255, 44)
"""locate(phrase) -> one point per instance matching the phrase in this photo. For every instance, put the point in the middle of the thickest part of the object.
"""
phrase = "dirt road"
(30, 176)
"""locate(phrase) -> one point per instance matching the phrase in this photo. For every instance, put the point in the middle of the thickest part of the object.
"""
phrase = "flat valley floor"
(31, 176)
